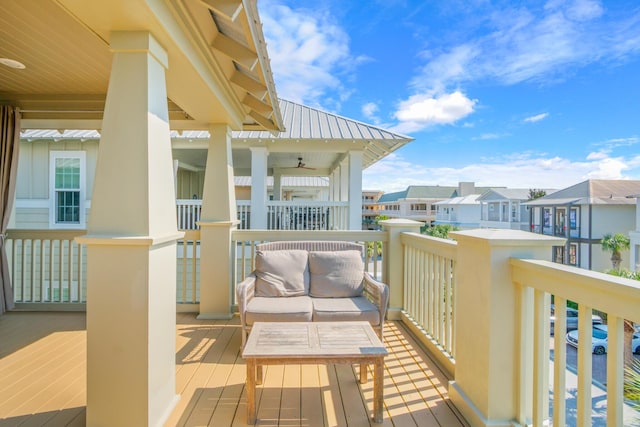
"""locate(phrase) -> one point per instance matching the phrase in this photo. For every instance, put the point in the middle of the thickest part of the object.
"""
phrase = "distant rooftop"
(431, 192)
(593, 192)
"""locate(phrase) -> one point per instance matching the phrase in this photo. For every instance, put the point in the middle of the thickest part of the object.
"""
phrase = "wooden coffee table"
(297, 343)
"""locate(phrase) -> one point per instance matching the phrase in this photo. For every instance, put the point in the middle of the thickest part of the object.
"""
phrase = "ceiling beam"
(264, 121)
(257, 105)
(236, 51)
(229, 8)
(249, 84)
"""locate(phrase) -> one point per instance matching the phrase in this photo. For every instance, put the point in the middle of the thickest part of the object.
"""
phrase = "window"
(67, 182)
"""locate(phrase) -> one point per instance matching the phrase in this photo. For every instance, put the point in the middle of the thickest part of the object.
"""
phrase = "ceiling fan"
(302, 165)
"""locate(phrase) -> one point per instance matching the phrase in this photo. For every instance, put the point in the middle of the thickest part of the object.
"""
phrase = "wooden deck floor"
(43, 364)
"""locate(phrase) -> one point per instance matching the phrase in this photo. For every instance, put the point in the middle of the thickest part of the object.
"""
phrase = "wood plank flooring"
(43, 375)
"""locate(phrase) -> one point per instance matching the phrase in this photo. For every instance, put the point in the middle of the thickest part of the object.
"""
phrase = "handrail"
(618, 297)
(429, 291)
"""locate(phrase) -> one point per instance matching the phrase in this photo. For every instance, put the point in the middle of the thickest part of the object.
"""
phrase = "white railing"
(619, 298)
(307, 215)
(188, 271)
(243, 209)
(47, 267)
(429, 284)
(188, 212)
(281, 215)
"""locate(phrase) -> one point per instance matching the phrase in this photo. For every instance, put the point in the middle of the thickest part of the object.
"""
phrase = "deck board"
(43, 379)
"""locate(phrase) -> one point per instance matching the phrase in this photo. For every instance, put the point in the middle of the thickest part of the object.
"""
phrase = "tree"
(440, 230)
(615, 243)
(535, 193)
(628, 324)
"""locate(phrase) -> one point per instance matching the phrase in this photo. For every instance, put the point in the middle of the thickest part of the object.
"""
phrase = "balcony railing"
(48, 272)
(281, 215)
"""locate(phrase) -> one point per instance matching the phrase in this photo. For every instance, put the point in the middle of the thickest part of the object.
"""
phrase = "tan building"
(370, 208)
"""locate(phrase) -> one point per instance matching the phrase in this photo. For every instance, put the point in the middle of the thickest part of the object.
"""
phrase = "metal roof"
(471, 199)
(306, 129)
(592, 192)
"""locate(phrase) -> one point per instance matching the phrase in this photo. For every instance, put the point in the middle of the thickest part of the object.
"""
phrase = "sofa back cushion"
(282, 273)
(335, 274)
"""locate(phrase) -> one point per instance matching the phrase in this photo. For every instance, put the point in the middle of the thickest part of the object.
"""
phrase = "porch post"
(355, 190)
(218, 219)
(131, 246)
(488, 358)
(394, 262)
(258, 188)
(344, 180)
(277, 184)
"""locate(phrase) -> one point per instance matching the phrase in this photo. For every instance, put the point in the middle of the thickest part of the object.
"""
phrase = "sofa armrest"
(245, 291)
(378, 293)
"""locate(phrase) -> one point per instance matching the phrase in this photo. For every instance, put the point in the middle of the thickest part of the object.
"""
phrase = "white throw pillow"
(336, 274)
(282, 273)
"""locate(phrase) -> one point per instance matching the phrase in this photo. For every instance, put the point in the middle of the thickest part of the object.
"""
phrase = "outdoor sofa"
(311, 281)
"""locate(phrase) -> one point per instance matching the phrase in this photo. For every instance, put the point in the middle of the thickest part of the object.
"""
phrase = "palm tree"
(615, 244)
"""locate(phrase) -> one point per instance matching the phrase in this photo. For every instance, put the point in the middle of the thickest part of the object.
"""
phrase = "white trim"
(53, 156)
(32, 204)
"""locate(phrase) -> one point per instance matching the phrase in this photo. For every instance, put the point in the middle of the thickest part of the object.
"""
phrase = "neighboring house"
(505, 208)
(319, 157)
(583, 214)
(417, 202)
(370, 208)
(461, 212)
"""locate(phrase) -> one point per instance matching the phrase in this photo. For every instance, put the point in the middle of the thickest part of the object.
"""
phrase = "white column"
(355, 190)
(131, 246)
(487, 379)
(176, 166)
(277, 184)
(258, 188)
(218, 219)
(344, 180)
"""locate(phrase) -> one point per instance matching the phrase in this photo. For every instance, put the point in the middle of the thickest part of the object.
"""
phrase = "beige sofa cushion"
(291, 309)
(282, 273)
(345, 309)
(335, 274)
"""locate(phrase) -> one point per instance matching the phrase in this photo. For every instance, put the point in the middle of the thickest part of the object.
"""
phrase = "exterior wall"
(33, 189)
(189, 183)
(243, 193)
(613, 219)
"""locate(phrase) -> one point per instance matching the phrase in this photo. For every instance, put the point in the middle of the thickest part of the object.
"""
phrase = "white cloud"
(370, 111)
(424, 110)
(309, 54)
(489, 136)
(521, 45)
(536, 118)
(519, 170)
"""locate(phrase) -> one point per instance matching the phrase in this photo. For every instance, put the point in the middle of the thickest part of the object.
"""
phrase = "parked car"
(572, 319)
(599, 340)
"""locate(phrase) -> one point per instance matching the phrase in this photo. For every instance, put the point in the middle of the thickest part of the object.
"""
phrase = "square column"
(259, 188)
(131, 246)
(217, 222)
(487, 381)
(277, 184)
(344, 180)
(355, 190)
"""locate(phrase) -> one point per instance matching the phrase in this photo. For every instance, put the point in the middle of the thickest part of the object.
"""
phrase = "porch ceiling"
(218, 65)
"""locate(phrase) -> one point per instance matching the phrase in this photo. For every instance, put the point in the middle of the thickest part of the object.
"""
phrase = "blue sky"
(524, 94)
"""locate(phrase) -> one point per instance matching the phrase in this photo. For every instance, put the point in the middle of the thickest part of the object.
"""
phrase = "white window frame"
(53, 156)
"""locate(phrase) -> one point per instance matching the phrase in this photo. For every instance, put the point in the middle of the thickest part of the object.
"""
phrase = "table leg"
(378, 390)
(363, 373)
(251, 391)
(260, 372)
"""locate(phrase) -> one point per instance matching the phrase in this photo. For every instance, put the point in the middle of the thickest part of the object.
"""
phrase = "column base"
(394, 313)
(471, 412)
